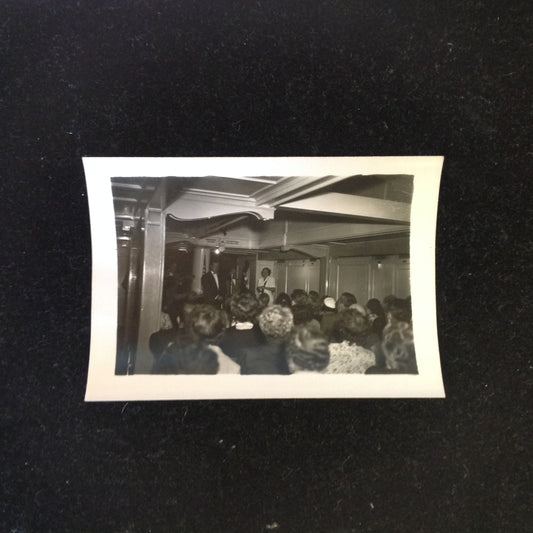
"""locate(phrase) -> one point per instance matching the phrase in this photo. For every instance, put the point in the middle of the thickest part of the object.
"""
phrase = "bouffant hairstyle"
(400, 311)
(244, 307)
(276, 321)
(399, 349)
(349, 326)
(190, 359)
(299, 297)
(283, 299)
(206, 323)
(308, 349)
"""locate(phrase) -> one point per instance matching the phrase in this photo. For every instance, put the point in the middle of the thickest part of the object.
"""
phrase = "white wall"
(370, 277)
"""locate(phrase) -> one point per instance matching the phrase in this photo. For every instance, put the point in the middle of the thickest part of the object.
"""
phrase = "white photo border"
(104, 385)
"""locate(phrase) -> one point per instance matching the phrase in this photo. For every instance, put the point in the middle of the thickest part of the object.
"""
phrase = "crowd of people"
(257, 332)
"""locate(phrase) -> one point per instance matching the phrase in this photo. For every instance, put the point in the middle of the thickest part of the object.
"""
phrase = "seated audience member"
(399, 311)
(387, 301)
(303, 314)
(263, 300)
(398, 350)
(345, 300)
(245, 332)
(192, 301)
(284, 300)
(329, 316)
(346, 356)
(376, 316)
(307, 350)
(301, 308)
(316, 304)
(188, 359)
(354, 327)
(299, 297)
(205, 325)
(169, 332)
(276, 323)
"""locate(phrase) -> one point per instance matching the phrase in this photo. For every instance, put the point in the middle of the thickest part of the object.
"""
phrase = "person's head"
(399, 311)
(206, 323)
(263, 300)
(192, 301)
(302, 313)
(307, 350)
(213, 267)
(345, 300)
(314, 298)
(283, 299)
(244, 307)
(399, 349)
(276, 322)
(374, 306)
(266, 272)
(350, 326)
(191, 359)
(359, 308)
(387, 301)
(328, 304)
(299, 297)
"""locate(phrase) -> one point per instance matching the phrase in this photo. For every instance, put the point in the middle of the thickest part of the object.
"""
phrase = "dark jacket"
(209, 287)
(235, 341)
(266, 359)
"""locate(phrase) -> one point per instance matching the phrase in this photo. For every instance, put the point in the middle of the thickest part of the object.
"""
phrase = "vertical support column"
(324, 273)
(152, 281)
(200, 259)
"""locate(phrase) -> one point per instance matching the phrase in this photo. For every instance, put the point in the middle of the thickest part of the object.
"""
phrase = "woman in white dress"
(267, 284)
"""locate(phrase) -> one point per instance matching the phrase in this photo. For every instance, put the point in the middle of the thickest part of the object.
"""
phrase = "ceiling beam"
(292, 187)
(214, 228)
(317, 232)
(355, 206)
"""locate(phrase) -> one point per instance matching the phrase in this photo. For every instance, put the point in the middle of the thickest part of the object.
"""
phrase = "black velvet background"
(266, 78)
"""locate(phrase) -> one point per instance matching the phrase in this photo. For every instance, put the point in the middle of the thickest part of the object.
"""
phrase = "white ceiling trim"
(355, 206)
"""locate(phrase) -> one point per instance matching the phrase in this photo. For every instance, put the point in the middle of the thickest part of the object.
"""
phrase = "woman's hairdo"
(267, 269)
(207, 323)
(299, 297)
(276, 321)
(308, 348)
(349, 326)
(283, 299)
(346, 299)
(398, 347)
(400, 310)
(244, 307)
(374, 306)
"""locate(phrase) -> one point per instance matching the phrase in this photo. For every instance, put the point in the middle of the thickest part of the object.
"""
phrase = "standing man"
(211, 285)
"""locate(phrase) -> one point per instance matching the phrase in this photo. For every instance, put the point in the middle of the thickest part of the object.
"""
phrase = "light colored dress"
(268, 286)
(346, 358)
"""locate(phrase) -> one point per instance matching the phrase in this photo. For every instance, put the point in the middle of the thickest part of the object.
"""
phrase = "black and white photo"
(263, 277)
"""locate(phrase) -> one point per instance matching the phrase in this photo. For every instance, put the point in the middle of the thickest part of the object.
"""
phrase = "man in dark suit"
(211, 285)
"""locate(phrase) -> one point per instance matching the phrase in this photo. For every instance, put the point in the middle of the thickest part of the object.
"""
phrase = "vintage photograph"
(263, 277)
